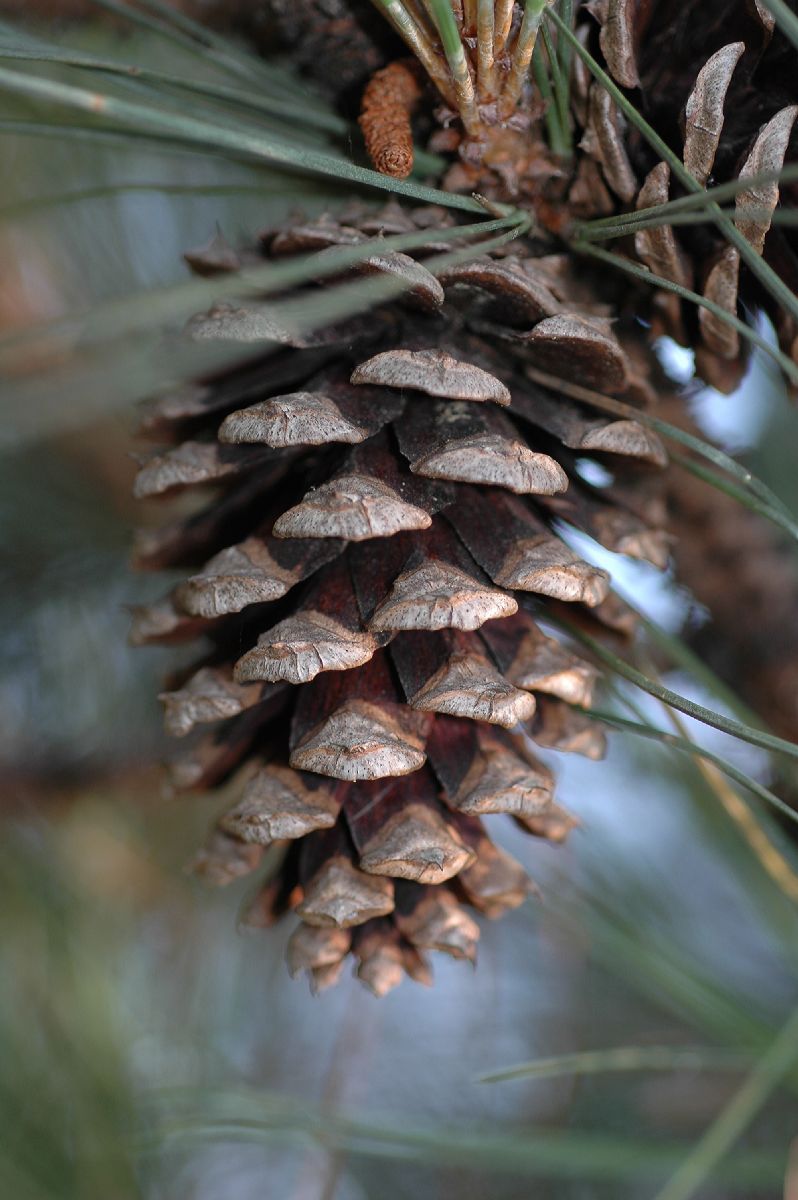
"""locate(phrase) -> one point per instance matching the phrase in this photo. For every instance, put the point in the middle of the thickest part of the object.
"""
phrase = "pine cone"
(370, 577)
(375, 570)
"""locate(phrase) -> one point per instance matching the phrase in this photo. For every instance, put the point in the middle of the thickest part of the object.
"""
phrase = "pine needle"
(640, 272)
(686, 745)
(772, 860)
(486, 36)
(695, 201)
(416, 38)
(737, 729)
(551, 116)
(623, 1059)
(441, 12)
(284, 110)
(241, 144)
(774, 509)
(777, 1061)
(33, 204)
(523, 50)
(154, 306)
(784, 522)
(786, 20)
(212, 53)
(781, 216)
(561, 96)
(259, 1117)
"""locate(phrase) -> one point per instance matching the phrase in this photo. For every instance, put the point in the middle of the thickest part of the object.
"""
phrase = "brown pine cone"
(370, 576)
(384, 545)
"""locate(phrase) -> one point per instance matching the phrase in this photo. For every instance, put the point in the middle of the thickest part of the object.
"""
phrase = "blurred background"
(147, 1047)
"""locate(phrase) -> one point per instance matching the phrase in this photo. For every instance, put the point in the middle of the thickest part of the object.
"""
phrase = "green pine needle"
(786, 20)
(737, 729)
(777, 1061)
(193, 131)
(153, 307)
(685, 746)
(640, 272)
(752, 491)
(272, 106)
(664, 213)
(622, 1059)
(256, 1116)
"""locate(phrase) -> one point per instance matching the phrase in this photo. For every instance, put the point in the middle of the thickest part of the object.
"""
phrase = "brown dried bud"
(388, 103)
